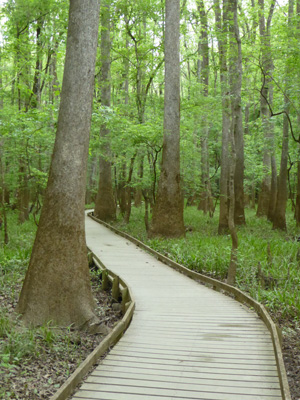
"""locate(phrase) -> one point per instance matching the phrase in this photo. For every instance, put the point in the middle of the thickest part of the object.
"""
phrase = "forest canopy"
(266, 52)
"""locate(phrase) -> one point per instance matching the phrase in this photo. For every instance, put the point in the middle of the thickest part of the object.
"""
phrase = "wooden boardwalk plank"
(102, 381)
(186, 341)
(187, 380)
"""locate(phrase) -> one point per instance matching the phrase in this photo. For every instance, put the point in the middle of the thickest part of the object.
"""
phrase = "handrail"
(231, 290)
(119, 288)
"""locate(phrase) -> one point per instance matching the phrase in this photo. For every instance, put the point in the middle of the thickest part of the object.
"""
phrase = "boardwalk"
(185, 341)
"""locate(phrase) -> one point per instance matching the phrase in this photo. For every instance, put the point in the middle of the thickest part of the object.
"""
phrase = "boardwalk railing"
(237, 294)
(120, 290)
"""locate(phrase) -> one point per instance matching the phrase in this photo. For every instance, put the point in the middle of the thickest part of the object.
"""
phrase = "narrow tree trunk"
(35, 99)
(297, 210)
(222, 45)
(279, 220)
(138, 192)
(105, 207)
(267, 67)
(235, 131)
(273, 191)
(57, 284)
(122, 188)
(91, 185)
(237, 121)
(167, 217)
(203, 79)
(128, 190)
(23, 193)
(2, 193)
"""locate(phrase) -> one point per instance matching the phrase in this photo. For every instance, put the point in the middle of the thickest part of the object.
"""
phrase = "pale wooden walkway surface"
(185, 341)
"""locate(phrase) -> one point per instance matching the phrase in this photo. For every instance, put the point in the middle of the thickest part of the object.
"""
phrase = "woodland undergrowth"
(268, 260)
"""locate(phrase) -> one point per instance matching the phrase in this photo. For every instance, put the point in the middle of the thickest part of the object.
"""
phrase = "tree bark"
(222, 34)
(167, 217)
(35, 98)
(2, 194)
(237, 116)
(279, 219)
(105, 206)
(57, 284)
(267, 67)
(23, 192)
(236, 132)
(203, 79)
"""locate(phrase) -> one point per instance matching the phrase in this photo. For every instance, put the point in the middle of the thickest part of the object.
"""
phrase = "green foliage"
(204, 251)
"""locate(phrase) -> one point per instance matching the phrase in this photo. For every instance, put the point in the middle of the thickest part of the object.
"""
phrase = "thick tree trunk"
(105, 207)
(57, 284)
(167, 217)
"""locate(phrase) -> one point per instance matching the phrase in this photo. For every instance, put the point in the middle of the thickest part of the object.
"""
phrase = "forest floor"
(56, 354)
(291, 352)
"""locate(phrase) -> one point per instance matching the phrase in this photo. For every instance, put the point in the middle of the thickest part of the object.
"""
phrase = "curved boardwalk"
(185, 341)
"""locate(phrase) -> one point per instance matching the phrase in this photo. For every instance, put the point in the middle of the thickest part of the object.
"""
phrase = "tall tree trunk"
(167, 217)
(23, 192)
(105, 207)
(266, 96)
(91, 185)
(57, 284)
(2, 194)
(236, 134)
(297, 210)
(279, 220)
(203, 79)
(273, 191)
(35, 99)
(222, 34)
(237, 117)
(138, 195)
(128, 191)
(1, 83)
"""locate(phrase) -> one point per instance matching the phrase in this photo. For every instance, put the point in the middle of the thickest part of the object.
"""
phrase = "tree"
(57, 286)
(105, 206)
(222, 35)
(205, 203)
(167, 219)
(267, 196)
(235, 135)
(279, 220)
(235, 78)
